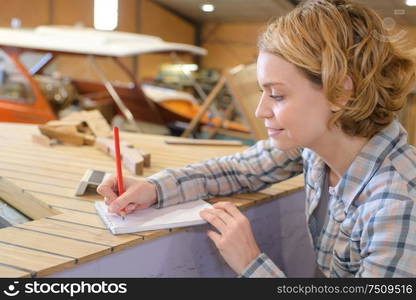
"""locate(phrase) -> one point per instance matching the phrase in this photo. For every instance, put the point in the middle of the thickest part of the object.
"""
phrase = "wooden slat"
(252, 196)
(84, 233)
(44, 187)
(10, 272)
(41, 263)
(24, 202)
(6, 166)
(19, 171)
(38, 179)
(81, 251)
(55, 154)
(65, 167)
(240, 203)
(71, 203)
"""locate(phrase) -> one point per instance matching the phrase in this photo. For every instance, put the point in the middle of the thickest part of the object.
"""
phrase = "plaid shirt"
(371, 225)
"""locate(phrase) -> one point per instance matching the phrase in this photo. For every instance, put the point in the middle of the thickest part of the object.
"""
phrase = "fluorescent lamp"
(411, 2)
(105, 14)
(207, 7)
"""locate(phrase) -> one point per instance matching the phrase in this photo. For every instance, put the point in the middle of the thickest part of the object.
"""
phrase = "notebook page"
(184, 214)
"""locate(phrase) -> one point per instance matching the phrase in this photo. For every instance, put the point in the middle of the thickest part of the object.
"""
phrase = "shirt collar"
(368, 161)
(364, 165)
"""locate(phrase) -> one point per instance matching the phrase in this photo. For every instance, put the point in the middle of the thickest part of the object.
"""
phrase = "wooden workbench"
(66, 230)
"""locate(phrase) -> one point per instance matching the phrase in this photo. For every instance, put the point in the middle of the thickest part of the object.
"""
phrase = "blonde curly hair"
(329, 40)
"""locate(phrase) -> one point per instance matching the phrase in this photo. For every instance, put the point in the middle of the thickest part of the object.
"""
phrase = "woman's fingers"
(213, 219)
(130, 207)
(106, 189)
(215, 237)
(224, 216)
(121, 202)
(229, 207)
(107, 201)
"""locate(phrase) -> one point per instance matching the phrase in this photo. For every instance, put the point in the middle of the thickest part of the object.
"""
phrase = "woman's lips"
(274, 132)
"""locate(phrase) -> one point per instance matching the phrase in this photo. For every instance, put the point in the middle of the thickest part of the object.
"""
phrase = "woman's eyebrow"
(268, 84)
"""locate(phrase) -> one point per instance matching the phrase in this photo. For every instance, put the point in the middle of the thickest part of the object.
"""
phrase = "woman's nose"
(263, 111)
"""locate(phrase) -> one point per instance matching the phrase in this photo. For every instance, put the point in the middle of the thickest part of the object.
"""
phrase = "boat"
(22, 98)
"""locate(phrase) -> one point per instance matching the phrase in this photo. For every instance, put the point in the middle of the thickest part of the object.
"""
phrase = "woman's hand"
(235, 241)
(138, 195)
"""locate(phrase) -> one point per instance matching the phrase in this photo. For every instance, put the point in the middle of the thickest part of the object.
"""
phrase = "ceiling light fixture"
(105, 14)
(411, 2)
(207, 7)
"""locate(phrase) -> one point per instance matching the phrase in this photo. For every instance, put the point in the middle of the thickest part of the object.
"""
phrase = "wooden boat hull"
(162, 113)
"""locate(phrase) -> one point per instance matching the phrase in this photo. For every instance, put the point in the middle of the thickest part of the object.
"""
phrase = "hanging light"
(207, 7)
(105, 14)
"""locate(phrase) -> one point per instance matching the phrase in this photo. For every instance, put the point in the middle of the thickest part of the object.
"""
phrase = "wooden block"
(97, 123)
(146, 157)
(102, 144)
(59, 123)
(131, 158)
(94, 119)
(89, 139)
(65, 134)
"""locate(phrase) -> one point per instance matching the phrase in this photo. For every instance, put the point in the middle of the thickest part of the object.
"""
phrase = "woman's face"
(295, 110)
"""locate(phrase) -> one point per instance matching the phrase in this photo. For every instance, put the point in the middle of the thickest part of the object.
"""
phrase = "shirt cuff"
(164, 185)
(262, 266)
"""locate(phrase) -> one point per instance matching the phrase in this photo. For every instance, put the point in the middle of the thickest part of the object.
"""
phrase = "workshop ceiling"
(229, 11)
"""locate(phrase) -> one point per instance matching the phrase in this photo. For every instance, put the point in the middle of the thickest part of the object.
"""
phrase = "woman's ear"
(348, 86)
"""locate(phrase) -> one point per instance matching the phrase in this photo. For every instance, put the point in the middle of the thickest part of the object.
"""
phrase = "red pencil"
(118, 167)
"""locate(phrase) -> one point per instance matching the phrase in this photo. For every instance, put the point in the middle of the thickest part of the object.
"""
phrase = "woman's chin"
(282, 145)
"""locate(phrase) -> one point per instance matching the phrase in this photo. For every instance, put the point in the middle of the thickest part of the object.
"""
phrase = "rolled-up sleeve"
(251, 170)
(262, 266)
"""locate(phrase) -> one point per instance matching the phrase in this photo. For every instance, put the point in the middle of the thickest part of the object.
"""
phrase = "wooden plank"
(57, 201)
(65, 168)
(240, 203)
(275, 189)
(54, 164)
(45, 174)
(42, 264)
(80, 157)
(250, 196)
(84, 233)
(21, 166)
(41, 187)
(23, 202)
(39, 179)
(80, 251)
(10, 272)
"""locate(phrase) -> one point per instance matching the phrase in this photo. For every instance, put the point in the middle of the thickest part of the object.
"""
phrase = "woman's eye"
(277, 97)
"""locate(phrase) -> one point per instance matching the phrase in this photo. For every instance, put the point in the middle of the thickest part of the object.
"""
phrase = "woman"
(331, 88)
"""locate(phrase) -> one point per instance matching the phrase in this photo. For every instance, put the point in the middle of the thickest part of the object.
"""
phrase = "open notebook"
(184, 214)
